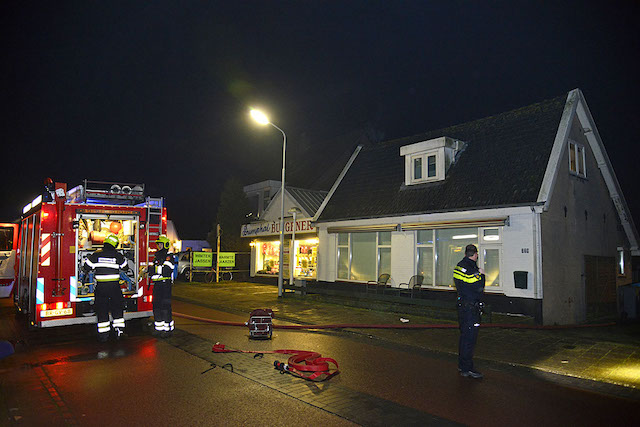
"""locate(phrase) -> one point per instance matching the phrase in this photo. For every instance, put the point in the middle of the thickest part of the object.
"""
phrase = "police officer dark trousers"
(469, 281)
(162, 282)
(107, 263)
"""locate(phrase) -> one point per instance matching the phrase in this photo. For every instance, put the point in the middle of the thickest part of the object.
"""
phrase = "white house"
(533, 188)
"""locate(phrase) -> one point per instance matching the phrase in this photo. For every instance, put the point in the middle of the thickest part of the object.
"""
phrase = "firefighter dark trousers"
(109, 299)
(162, 306)
(469, 321)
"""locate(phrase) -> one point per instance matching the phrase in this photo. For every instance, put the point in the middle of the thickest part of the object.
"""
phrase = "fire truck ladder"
(154, 222)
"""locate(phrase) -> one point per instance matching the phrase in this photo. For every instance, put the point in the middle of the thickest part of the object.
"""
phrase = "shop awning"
(490, 222)
(362, 228)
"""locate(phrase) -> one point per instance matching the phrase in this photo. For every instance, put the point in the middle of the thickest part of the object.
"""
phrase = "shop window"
(268, 258)
(363, 256)
(6, 238)
(306, 258)
(577, 159)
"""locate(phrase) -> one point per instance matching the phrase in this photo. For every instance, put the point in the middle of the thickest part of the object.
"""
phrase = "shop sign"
(271, 228)
(227, 259)
(202, 259)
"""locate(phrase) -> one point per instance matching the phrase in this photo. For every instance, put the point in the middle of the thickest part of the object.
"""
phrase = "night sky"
(157, 92)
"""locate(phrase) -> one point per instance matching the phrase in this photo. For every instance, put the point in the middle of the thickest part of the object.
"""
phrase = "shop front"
(265, 249)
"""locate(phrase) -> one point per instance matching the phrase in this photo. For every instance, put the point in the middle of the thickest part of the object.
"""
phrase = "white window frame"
(431, 245)
(577, 149)
(378, 247)
(425, 166)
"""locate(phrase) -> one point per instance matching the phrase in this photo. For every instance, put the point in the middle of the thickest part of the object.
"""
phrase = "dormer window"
(428, 161)
(425, 167)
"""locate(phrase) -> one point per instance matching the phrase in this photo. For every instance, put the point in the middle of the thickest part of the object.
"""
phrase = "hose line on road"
(394, 326)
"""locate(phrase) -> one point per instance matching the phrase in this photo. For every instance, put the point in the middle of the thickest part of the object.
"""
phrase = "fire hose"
(307, 365)
(396, 326)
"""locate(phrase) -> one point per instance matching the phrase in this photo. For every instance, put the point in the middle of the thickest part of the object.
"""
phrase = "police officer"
(107, 263)
(469, 281)
(162, 277)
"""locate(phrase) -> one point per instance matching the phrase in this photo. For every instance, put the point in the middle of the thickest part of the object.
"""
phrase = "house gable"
(577, 117)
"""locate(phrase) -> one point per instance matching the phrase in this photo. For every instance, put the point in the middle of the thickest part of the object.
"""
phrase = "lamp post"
(261, 118)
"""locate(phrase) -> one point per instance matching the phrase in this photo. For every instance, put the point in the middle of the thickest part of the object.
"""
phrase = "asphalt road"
(64, 377)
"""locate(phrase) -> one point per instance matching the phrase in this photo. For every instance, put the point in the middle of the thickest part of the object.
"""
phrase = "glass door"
(489, 259)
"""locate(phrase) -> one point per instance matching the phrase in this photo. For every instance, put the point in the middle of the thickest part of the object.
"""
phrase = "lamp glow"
(259, 117)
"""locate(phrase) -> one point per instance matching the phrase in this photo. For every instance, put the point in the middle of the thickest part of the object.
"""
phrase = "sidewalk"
(606, 355)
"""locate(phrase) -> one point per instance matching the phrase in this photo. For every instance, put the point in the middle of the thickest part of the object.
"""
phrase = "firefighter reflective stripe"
(107, 277)
(171, 327)
(106, 265)
(156, 277)
(159, 325)
(103, 327)
(118, 323)
(458, 273)
(89, 263)
(124, 264)
(168, 264)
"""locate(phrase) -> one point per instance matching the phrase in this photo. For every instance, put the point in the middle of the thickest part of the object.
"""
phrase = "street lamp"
(261, 118)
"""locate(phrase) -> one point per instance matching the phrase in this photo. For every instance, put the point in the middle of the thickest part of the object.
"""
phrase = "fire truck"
(61, 228)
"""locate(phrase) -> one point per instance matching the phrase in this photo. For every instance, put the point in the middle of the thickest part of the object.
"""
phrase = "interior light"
(26, 209)
(465, 236)
(36, 201)
(492, 237)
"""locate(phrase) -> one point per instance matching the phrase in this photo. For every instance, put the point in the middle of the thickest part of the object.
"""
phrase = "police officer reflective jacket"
(107, 264)
(469, 282)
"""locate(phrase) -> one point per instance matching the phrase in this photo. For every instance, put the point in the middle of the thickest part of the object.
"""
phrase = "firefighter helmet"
(112, 239)
(164, 240)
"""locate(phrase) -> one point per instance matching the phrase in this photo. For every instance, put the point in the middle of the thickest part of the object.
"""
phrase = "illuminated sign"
(271, 228)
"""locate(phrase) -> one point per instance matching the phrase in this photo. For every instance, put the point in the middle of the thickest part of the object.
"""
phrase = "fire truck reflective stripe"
(73, 284)
(45, 251)
(107, 277)
(140, 291)
(40, 290)
(118, 323)
(124, 264)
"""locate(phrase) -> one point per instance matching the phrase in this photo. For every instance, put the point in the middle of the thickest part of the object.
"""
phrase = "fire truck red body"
(61, 228)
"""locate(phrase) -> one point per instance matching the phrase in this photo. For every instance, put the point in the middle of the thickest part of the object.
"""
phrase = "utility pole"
(218, 231)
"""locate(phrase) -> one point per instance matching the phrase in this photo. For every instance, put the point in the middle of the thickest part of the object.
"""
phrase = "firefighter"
(108, 263)
(162, 277)
(469, 281)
